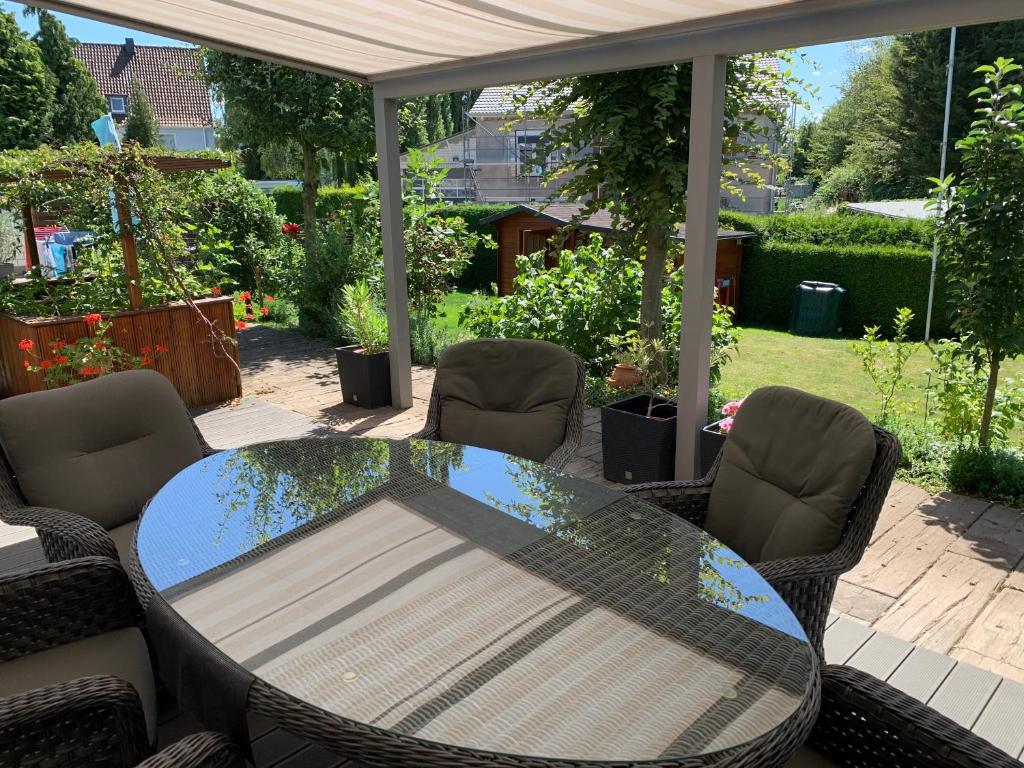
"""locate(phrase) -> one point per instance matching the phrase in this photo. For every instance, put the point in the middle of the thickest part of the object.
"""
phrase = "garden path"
(944, 572)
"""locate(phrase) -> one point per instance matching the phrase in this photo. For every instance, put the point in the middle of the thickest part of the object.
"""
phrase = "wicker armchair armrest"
(864, 721)
(687, 499)
(199, 750)
(63, 535)
(85, 722)
(59, 603)
(794, 569)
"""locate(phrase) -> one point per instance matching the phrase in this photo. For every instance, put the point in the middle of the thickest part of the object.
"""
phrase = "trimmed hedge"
(878, 280)
(833, 229)
(483, 269)
(328, 200)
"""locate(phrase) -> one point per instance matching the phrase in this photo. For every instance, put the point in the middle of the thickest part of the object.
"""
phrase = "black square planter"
(365, 379)
(711, 443)
(635, 448)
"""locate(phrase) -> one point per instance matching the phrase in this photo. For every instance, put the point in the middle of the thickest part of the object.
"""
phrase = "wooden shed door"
(533, 240)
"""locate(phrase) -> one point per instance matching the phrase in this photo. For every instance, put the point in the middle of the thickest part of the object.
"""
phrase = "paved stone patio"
(944, 572)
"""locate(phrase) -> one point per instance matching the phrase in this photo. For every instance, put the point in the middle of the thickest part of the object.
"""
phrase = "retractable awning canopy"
(413, 46)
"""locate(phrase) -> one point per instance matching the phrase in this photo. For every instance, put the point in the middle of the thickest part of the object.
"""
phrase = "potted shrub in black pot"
(364, 367)
(712, 437)
(638, 433)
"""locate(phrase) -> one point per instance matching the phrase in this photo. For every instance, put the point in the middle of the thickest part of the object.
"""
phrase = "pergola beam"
(703, 190)
(389, 176)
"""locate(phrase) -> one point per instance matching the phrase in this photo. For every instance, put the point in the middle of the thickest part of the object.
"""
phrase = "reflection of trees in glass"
(436, 460)
(285, 484)
(548, 500)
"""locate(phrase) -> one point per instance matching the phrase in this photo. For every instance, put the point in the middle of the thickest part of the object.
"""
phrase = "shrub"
(288, 200)
(879, 279)
(833, 229)
(993, 473)
(591, 294)
(483, 268)
(363, 320)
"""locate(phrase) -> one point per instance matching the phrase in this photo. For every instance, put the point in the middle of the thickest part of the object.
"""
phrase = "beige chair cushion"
(791, 470)
(510, 395)
(122, 536)
(101, 448)
(808, 758)
(121, 653)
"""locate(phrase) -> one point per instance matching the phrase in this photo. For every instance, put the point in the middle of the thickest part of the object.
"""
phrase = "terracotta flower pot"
(624, 376)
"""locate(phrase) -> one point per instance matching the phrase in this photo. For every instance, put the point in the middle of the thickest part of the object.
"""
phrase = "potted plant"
(363, 367)
(712, 437)
(638, 433)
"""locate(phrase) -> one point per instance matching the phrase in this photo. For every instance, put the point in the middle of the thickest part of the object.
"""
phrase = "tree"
(265, 103)
(981, 232)
(77, 99)
(802, 140)
(26, 89)
(639, 120)
(140, 125)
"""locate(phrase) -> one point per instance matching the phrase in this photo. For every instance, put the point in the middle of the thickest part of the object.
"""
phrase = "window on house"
(168, 140)
(527, 162)
(117, 105)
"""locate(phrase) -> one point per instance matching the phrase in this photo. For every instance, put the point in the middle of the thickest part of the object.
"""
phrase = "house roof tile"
(169, 75)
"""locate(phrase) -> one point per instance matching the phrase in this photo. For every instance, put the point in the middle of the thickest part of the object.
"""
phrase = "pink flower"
(729, 409)
(725, 425)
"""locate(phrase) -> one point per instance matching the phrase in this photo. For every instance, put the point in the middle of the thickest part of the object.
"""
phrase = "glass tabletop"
(473, 598)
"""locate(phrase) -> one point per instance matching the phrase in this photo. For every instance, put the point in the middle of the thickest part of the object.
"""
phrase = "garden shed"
(524, 229)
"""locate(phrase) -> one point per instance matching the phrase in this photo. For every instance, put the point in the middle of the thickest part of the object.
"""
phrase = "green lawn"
(451, 309)
(826, 367)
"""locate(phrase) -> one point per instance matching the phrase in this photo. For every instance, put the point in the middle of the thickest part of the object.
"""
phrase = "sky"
(823, 66)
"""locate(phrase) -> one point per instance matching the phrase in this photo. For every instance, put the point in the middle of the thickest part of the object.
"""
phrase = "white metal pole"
(389, 176)
(703, 190)
(942, 175)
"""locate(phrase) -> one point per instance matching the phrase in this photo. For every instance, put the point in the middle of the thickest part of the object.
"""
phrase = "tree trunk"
(990, 399)
(654, 274)
(310, 183)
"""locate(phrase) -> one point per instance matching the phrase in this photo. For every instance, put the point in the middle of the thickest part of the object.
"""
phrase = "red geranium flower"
(58, 344)
(293, 230)
(45, 364)
(25, 345)
(145, 351)
(161, 348)
(216, 291)
(60, 359)
(145, 362)
(246, 296)
(240, 325)
(26, 363)
(90, 370)
(268, 298)
(264, 311)
(93, 317)
(99, 345)
(250, 316)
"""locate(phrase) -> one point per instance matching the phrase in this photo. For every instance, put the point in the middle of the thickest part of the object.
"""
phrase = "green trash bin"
(816, 309)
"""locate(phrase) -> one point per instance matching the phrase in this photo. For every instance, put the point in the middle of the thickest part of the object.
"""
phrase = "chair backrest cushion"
(792, 469)
(100, 448)
(510, 395)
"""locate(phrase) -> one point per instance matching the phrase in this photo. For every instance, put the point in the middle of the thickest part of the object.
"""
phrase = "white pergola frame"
(708, 43)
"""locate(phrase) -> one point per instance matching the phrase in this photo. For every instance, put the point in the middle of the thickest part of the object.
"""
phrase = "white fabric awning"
(455, 43)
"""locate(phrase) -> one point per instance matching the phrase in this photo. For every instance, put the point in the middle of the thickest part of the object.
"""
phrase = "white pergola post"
(707, 118)
(389, 176)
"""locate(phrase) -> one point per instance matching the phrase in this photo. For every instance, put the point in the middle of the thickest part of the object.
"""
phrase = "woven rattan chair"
(117, 412)
(481, 387)
(82, 614)
(807, 583)
(865, 723)
(96, 721)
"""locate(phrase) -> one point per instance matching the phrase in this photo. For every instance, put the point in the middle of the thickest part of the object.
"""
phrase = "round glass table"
(417, 602)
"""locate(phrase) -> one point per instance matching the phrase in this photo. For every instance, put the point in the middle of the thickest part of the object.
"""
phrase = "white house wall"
(188, 138)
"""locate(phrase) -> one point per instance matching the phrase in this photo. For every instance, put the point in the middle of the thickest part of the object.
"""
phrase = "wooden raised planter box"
(195, 365)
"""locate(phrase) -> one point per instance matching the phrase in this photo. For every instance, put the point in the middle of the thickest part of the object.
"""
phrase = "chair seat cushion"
(122, 653)
(809, 758)
(122, 536)
(100, 448)
(510, 395)
(792, 468)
